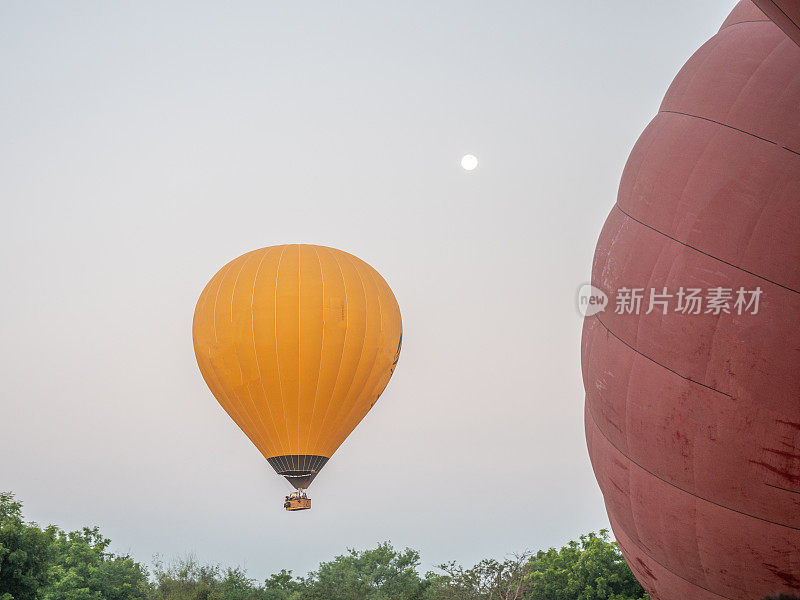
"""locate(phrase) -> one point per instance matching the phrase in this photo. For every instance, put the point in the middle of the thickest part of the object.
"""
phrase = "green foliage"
(185, 579)
(489, 579)
(236, 585)
(26, 553)
(590, 569)
(50, 564)
(379, 574)
(83, 570)
(282, 586)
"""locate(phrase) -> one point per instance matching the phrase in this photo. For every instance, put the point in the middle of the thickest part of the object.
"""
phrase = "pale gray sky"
(144, 144)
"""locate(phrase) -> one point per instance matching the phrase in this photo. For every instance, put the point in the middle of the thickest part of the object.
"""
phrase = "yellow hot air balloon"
(297, 343)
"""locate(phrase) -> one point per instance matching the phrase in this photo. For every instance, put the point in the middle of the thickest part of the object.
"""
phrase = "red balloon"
(785, 14)
(693, 420)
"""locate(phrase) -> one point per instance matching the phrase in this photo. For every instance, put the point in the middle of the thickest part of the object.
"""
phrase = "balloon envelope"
(297, 343)
(693, 420)
(785, 14)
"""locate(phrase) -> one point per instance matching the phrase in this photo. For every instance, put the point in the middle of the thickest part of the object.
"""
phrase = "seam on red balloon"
(746, 21)
(665, 567)
(786, 287)
(713, 389)
(676, 112)
(613, 445)
(783, 12)
(777, 487)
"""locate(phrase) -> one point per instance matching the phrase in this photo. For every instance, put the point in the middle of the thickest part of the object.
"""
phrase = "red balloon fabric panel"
(693, 420)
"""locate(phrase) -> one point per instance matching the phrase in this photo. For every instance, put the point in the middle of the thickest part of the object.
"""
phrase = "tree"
(488, 580)
(185, 579)
(282, 586)
(379, 574)
(84, 570)
(590, 569)
(26, 553)
(51, 564)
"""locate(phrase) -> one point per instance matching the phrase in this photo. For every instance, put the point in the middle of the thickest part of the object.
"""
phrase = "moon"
(469, 162)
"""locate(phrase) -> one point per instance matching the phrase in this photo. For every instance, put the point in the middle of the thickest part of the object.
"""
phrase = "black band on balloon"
(297, 465)
(298, 469)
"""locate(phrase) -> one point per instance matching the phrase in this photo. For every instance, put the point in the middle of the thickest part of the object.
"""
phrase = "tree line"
(47, 563)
